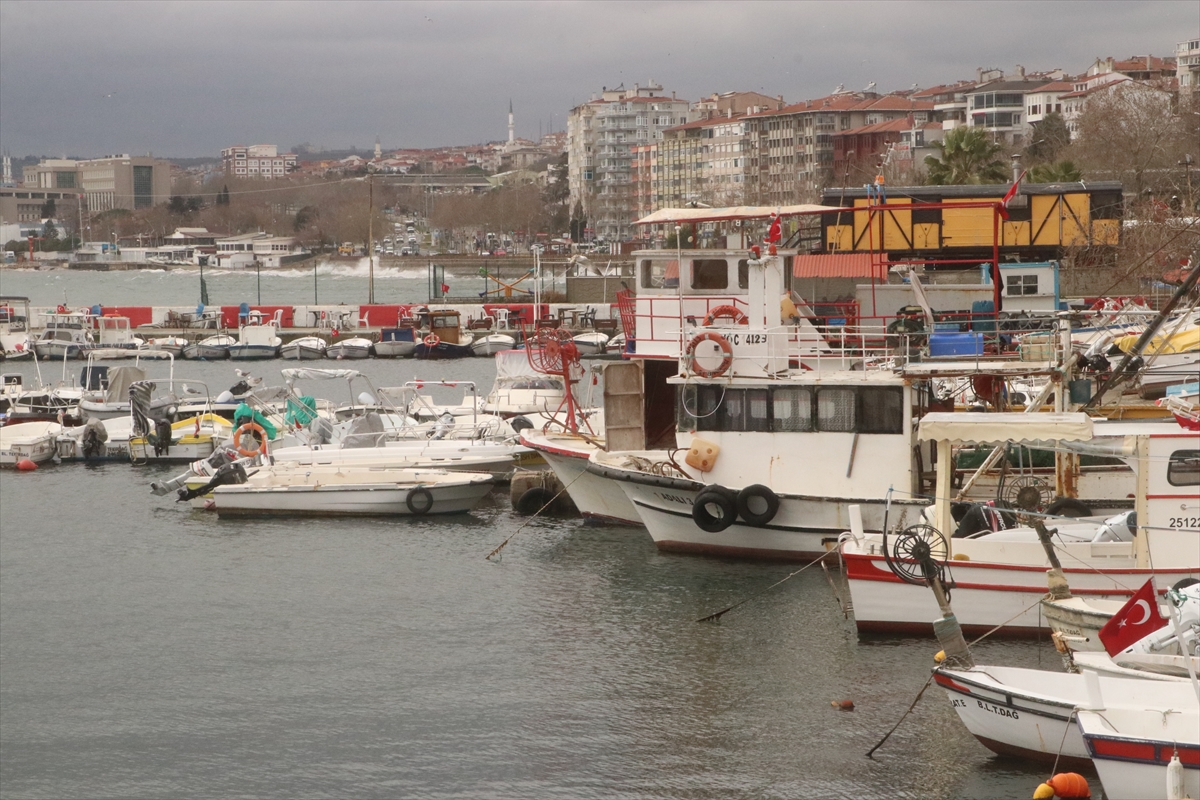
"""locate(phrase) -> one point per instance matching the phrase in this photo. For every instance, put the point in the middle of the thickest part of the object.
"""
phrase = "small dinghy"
(293, 489)
(590, 343)
(212, 348)
(306, 348)
(174, 345)
(256, 342)
(492, 343)
(396, 342)
(354, 347)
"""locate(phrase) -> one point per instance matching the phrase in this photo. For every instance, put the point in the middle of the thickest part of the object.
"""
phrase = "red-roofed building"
(1138, 68)
(601, 135)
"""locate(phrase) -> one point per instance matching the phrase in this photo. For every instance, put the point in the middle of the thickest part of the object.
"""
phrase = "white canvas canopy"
(311, 374)
(664, 215)
(513, 364)
(1004, 427)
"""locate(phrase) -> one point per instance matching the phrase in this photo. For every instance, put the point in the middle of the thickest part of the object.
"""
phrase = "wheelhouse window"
(710, 273)
(659, 274)
(868, 409)
(1183, 469)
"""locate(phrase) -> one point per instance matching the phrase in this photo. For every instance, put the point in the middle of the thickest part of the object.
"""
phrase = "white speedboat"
(567, 453)
(497, 458)
(590, 343)
(520, 389)
(15, 342)
(256, 342)
(116, 337)
(34, 441)
(353, 347)
(306, 348)
(66, 335)
(210, 348)
(292, 489)
(170, 344)
(615, 345)
(95, 440)
(492, 343)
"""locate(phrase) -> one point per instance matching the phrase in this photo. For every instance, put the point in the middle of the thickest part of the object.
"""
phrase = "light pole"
(370, 236)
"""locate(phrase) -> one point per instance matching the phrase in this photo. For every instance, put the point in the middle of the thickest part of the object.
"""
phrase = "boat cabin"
(116, 332)
(445, 325)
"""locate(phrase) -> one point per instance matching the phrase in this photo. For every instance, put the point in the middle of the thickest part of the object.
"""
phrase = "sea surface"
(149, 650)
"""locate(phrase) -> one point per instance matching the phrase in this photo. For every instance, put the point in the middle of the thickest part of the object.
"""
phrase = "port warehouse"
(1045, 221)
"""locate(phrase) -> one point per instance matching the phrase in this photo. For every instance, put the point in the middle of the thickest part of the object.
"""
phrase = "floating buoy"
(26, 465)
(1066, 785)
(843, 705)
(1176, 790)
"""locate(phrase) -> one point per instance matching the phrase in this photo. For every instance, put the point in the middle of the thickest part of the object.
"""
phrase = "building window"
(1017, 285)
(143, 187)
(710, 273)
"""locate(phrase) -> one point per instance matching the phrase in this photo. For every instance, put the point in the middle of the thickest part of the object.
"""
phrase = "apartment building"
(701, 161)
(257, 161)
(895, 148)
(789, 152)
(1187, 64)
(601, 136)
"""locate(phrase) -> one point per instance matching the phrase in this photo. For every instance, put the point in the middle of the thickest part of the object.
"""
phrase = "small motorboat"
(116, 337)
(172, 344)
(306, 348)
(493, 343)
(354, 347)
(590, 343)
(15, 342)
(396, 342)
(29, 440)
(446, 338)
(520, 389)
(616, 345)
(255, 343)
(212, 348)
(293, 489)
(57, 343)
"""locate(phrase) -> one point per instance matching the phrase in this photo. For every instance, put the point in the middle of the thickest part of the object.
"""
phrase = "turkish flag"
(1137, 619)
(775, 232)
(445, 288)
(1008, 196)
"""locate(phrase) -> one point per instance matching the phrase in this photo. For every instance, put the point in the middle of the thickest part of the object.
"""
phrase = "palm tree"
(966, 157)
(1059, 172)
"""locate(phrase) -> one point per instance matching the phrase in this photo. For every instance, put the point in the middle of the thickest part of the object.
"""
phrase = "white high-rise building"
(601, 135)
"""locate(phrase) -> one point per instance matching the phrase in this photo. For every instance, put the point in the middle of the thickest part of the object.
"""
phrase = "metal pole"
(258, 274)
(371, 237)
(314, 281)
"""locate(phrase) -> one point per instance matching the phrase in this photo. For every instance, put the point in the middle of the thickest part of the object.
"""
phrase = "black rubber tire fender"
(757, 492)
(419, 501)
(726, 503)
(532, 500)
(1068, 507)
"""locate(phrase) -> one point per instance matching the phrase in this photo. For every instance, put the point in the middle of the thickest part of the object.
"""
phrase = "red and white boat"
(999, 578)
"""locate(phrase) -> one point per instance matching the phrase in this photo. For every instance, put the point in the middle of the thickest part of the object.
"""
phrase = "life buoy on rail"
(419, 501)
(722, 344)
(260, 442)
(431, 340)
(726, 312)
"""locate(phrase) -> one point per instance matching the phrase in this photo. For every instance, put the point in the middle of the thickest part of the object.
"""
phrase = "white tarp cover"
(1006, 426)
(733, 212)
(513, 364)
(312, 374)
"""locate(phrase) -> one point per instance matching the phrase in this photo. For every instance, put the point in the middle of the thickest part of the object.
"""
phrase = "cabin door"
(623, 426)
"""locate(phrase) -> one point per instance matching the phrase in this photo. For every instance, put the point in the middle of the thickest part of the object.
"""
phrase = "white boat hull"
(394, 349)
(342, 350)
(598, 499)
(35, 441)
(299, 350)
(1132, 743)
(344, 500)
(252, 352)
(492, 344)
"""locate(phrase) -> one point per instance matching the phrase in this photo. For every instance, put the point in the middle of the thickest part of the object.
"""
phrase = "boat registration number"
(1001, 710)
(1184, 522)
(746, 338)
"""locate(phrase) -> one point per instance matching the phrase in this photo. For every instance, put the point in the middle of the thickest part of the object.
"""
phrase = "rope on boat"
(532, 517)
(911, 706)
(719, 614)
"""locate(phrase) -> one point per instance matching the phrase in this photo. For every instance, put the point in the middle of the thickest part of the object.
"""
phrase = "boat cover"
(732, 212)
(310, 374)
(1004, 427)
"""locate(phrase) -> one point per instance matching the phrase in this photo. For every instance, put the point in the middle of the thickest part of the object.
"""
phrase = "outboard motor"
(205, 466)
(321, 430)
(229, 474)
(161, 436)
(1120, 528)
(94, 437)
(990, 516)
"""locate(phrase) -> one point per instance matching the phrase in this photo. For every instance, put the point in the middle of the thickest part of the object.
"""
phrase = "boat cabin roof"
(962, 427)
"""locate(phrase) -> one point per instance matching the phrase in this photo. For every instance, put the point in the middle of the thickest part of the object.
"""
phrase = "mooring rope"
(719, 614)
(533, 516)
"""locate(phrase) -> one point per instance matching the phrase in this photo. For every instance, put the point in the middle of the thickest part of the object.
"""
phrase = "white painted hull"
(394, 349)
(352, 349)
(343, 500)
(591, 344)
(1079, 621)
(301, 351)
(498, 461)
(252, 352)
(1131, 741)
(490, 345)
(206, 352)
(597, 498)
(805, 528)
(989, 593)
(1030, 713)
(36, 441)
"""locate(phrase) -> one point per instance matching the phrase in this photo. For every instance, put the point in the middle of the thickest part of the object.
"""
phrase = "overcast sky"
(187, 79)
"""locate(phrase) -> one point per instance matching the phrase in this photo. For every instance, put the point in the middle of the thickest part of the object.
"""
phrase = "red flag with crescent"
(1137, 619)
(775, 232)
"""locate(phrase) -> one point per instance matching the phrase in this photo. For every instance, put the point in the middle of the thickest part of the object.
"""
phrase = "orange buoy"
(842, 705)
(1070, 785)
(26, 465)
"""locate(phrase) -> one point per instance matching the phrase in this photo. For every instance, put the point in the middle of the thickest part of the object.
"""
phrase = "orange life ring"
(431, 340)
(726, 312)
(722, 344)
(250, 427)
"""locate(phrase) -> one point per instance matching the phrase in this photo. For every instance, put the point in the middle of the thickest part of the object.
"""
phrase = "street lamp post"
(370, 236)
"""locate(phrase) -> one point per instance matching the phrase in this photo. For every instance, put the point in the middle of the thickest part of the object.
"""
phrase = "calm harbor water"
(148, 650)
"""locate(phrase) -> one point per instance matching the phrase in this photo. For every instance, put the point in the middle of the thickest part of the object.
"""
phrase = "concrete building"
(124, 181)
(257, 161)
(701, 161)
(601, 135)
(53, 173)
(898, 146)
(998, 107)
(1187, 64)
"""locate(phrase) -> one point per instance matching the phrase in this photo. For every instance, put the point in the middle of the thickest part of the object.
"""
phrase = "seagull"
(189, 390)
(240, 373)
